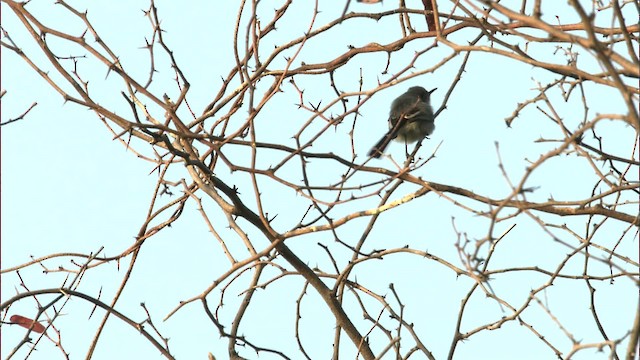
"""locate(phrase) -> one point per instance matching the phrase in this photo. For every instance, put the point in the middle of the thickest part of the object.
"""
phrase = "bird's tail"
(377, 150)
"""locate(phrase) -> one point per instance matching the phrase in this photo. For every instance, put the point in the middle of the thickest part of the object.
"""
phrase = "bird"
(410, 119)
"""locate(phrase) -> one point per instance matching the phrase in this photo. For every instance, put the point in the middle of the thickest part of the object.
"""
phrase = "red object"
(431, 18)
(26, 323)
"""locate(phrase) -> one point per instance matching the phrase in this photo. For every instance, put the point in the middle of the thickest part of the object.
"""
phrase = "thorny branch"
(229, 134)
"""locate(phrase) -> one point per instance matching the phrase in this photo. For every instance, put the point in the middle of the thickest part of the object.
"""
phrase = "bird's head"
(421, 92)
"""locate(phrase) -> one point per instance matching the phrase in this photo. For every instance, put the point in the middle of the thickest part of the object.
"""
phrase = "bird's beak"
(430, 92)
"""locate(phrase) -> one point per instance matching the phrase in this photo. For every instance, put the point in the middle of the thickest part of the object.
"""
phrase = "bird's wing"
(418, 109)
(407, 112)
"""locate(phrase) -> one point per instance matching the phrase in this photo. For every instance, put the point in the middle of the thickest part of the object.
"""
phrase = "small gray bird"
(410, 119)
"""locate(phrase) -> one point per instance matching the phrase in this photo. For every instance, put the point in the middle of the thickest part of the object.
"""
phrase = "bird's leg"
(406, 152)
